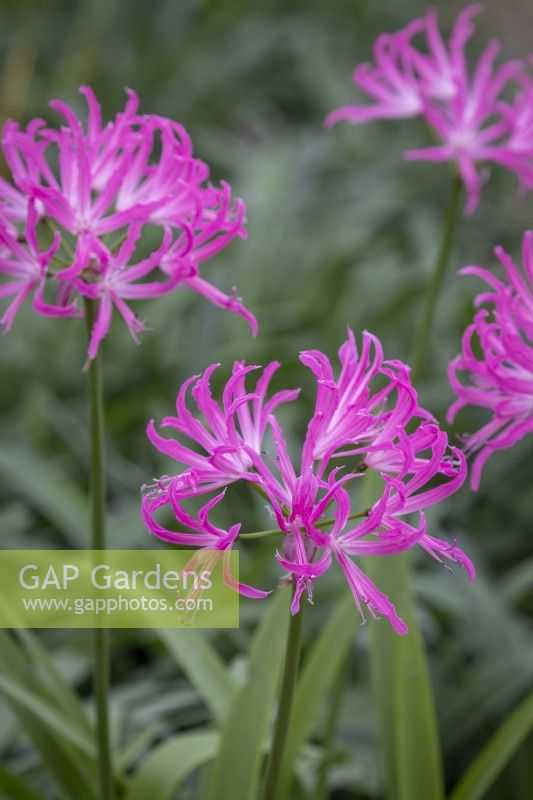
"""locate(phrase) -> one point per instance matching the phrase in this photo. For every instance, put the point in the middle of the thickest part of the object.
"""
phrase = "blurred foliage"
(341, 232)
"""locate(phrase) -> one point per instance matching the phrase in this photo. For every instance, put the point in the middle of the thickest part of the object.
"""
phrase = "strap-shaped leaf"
(496, 754)
(47, 489)
(167, 766)
(401, 683)
(14, 788)
(52, 719)
(51, 679)
(202, 666)
(321, 668)
(403, 693)
(236, 771)
(72, 769)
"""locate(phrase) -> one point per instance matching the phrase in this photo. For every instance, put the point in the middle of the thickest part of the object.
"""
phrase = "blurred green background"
(341, 232)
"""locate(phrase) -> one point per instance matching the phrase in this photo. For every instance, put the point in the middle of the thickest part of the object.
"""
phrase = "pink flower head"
(464, 109)
(242, 440)
(99, 186)
(500, 379)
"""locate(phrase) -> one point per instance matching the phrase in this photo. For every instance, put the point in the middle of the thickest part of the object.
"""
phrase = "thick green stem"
(423, 336)
(97, 485)
(288, 685)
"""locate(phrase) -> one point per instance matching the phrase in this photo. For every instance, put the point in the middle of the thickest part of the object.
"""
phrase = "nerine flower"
(228, 433)
(25, 266)
(101, 190)
(350, 407)
(466, 109)
(496, 362)
(368, 415)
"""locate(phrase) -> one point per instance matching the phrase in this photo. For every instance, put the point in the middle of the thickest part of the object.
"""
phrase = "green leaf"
(46, 487)
(202, 666)
(170, 763)
(496, 754)
(236, 771)
(140, 743)
(321, 668)
(518, 582)
(14, 788)
(54, 683)
(52, 719)
(401, 683)
(72, 770)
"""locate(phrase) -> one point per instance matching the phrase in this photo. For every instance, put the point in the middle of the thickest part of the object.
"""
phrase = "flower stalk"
(423, 336)
(325, 523)
(97, 490)
(288, 685)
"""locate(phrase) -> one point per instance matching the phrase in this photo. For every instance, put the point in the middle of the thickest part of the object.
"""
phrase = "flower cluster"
(368, 416)
(416, 73)
(114, 213)
(497, 357)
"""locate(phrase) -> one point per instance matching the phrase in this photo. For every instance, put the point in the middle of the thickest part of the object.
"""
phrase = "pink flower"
(242, 440)
(206, 536)
(465, 110)
(110, 278)
(300, 501)
(230, 433)
(346, 410)
(500, 379)
(99, 187)
(393, 83)
(26, 267)
(105, 176)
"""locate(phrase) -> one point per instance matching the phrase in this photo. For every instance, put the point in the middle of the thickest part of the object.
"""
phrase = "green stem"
(261, 492)
(98, 513)
(275, 531)
(288, 685)
(423, 336)
(64, 244)
(114, 246)
(260, 534)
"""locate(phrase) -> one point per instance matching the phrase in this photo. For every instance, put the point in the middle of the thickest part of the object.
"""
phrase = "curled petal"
(222, 300)
(364, 591)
